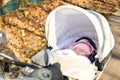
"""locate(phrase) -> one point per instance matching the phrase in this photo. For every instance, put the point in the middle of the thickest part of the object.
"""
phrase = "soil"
(112, 70)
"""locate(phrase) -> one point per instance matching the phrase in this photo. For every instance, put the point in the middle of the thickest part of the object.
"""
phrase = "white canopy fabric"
(67, 23)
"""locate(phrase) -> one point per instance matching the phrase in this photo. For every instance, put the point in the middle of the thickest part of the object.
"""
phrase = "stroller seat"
(66, 24)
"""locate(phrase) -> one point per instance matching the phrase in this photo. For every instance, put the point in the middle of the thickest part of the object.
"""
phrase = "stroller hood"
(67, 23)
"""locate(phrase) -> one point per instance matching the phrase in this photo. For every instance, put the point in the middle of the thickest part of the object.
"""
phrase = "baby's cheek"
(77, 51)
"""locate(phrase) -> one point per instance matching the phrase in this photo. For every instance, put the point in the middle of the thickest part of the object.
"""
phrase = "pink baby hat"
(83, 45)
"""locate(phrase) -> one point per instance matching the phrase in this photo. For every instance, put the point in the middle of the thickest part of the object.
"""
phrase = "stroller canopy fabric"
(67, 23)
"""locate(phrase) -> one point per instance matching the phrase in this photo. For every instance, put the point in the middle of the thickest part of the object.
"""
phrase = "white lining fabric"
(74, 66)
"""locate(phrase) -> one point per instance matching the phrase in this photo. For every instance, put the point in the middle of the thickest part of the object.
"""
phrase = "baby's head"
(82, 47)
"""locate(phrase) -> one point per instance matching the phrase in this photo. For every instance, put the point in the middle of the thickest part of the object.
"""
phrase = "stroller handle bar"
(17, 62)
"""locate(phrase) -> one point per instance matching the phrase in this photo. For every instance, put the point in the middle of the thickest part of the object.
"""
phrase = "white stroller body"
(67, 23)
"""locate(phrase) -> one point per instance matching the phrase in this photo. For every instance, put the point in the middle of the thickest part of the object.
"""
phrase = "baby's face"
(79, 51)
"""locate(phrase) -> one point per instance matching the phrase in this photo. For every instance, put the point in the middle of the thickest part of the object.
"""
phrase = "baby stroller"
(67, 23)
